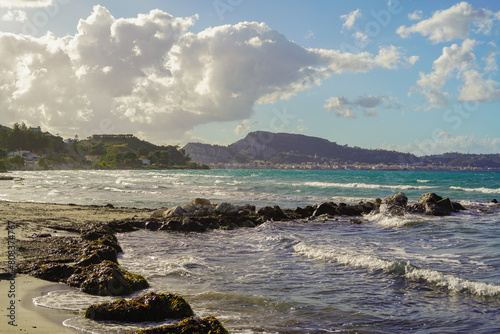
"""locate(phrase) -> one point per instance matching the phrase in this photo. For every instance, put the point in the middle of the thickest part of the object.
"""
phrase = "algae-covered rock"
(106, 279)
(208, 325)
(149, 307)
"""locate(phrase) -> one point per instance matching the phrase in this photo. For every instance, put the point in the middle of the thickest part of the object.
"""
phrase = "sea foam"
(403, 269)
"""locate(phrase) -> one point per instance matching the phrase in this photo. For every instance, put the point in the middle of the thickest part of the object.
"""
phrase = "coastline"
(28, 317)
(32, 221)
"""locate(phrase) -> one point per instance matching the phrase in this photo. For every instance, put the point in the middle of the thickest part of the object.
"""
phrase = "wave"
(360, 185)
(480, 190)
(405, 270)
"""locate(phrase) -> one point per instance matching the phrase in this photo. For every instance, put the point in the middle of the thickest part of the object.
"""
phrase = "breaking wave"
(405, 270)
(479, 190)
(361, 185)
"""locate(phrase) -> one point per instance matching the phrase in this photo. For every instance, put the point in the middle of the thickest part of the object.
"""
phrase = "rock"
(274, 213)
(95, 253)
(328, 208)
(225, 208)
(209, 325)
(304, 212)
(191, 225)
(199, 201)
(435, 205)
(398, 199)
(349, 210)
(153, 225)
(429, 198)
(458, 206)
(396, 204)
(171, 225)
(53, 272)
(174, 212)
(149, 307)
(106, 279)
(494, 201)
(158, 213)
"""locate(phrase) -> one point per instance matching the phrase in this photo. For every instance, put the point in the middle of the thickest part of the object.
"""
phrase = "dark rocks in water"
(396, 204)
(458, 206)
(149, 307)
(328, 208)
(433, 205)
(6, 178)
(192, 225)
(106, 279)
(208, 325)
(96, 253)
(304, 212)
(349, 210)
(153, 225)
(271, 213)
(53, 272)
(494, 201)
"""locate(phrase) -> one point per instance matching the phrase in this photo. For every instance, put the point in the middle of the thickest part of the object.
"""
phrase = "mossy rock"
(106, 279)
(209, 325)
(149, 307)
(96, 253)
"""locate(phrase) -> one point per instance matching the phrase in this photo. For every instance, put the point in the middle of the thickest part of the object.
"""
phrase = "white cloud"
(148, 76)
(453, 59)
(416, 15)
(459, 62)
(362, 38)
(445, 142)
(350, 19)
(454, 22)
(343, 106)
(26, 3)
(15, 15)
(242, 127)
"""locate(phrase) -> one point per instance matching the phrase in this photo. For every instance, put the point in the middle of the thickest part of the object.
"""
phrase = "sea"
(388, 274)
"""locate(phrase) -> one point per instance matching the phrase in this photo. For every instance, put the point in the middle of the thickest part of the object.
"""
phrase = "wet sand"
(32, 221)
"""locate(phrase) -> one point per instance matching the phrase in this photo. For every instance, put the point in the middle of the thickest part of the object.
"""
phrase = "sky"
(413, 76)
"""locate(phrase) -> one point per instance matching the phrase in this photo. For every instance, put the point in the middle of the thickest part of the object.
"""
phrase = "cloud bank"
(149, 75)
(344, 107)
(26, 3)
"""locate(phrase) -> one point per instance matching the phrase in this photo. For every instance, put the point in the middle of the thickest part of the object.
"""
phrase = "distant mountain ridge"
(290, 148)
(287, 148)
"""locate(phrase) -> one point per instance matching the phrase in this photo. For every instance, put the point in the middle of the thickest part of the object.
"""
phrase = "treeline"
(112, 151)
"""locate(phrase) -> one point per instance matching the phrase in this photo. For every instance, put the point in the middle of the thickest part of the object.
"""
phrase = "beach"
(32, 221)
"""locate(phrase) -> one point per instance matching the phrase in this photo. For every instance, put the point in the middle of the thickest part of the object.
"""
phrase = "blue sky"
(414, 76)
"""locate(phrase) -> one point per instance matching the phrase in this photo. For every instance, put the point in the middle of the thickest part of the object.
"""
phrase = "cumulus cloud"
(26, 3)
(459, 61)
(449, 24)
(15, 15)
(148, 75)
(446, 142)
(368, 104)
(350, 19)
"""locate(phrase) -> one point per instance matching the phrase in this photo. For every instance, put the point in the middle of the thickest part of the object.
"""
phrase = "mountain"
(291, 148)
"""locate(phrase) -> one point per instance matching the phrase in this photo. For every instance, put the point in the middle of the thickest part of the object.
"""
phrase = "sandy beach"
(23, 222)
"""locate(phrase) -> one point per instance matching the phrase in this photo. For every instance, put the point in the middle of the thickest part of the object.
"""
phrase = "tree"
(17, 161)
(3, 166)
(43, 163)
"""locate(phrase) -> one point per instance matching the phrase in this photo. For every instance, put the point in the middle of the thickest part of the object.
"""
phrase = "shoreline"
(30, 318)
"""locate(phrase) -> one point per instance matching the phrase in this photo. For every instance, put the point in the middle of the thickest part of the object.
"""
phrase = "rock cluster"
(208, 325)
(88, 262)
(149, 307)
(201, 215)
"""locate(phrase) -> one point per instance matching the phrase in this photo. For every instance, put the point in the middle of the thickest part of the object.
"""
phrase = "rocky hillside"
(290, 148)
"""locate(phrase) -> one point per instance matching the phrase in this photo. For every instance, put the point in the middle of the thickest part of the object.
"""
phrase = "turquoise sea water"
(411, 273)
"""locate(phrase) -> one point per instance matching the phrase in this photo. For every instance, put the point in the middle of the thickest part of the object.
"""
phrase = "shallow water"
(387, 275)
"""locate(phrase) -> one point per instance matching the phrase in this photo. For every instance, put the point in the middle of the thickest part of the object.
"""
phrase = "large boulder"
(209, 325)
(149, 307)
(328, 208)
(396, 204)
(106, 279)
(349, 210)
(174, 212)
